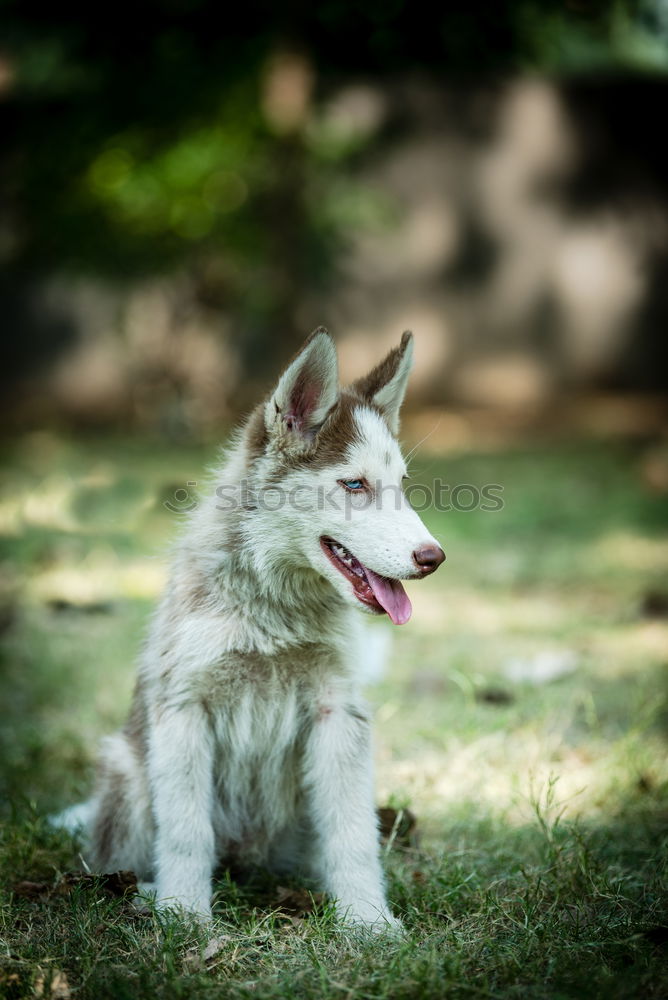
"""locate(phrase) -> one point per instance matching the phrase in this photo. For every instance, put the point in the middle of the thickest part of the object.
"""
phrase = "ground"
(522, 718)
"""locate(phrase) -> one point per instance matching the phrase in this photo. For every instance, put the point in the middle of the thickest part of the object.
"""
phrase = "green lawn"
(523, 719)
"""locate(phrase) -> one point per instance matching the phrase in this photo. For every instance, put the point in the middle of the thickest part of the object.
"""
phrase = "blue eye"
(354, 485)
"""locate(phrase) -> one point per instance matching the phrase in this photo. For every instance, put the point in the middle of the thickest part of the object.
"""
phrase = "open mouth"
(381, 593)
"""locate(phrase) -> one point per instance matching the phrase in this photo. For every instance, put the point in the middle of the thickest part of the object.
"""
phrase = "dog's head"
(329, 477)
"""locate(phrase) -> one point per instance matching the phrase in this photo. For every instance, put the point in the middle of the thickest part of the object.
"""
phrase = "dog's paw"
(387, 924)
(185, 906)
(368, 920)
(144, 900)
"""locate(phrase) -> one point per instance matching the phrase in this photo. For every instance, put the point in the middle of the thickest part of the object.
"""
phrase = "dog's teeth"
(348, 560)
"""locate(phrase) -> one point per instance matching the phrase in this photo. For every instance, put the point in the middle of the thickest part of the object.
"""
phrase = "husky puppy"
(247, 735)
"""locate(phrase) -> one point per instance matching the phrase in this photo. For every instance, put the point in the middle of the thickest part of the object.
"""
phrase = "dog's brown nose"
(428, 558)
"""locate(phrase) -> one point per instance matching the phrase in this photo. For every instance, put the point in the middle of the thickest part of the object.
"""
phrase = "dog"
(247, 737)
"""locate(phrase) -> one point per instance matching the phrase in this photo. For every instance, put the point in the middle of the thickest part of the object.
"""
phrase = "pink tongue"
(391, 596)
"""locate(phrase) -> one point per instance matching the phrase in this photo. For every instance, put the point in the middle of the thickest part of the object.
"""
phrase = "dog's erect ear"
(306, 391)
(385, 385)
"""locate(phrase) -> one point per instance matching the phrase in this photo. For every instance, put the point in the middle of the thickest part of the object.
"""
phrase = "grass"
(542, 805)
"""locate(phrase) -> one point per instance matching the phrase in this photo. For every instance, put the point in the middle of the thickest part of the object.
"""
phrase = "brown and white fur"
(248, 736)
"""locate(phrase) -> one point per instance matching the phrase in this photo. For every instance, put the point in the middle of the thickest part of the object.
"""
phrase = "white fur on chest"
(261, 713)
(257, 769)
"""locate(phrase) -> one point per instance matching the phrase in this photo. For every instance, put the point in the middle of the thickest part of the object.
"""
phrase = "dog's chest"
(258, 724)
(261, 732)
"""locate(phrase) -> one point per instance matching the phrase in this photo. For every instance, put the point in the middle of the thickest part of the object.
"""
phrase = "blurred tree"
(131, 140)
(146, 136)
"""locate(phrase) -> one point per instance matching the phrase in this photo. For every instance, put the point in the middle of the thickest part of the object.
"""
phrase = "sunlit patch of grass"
(618, 551)
(542, 803)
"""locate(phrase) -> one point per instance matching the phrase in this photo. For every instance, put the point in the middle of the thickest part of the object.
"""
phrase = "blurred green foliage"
(135, 138)
(175, 134)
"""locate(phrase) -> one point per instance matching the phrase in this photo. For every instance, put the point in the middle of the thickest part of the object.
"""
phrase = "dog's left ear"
(306, 391)
(385, 385)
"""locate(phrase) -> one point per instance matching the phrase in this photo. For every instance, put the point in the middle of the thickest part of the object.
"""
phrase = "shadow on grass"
(543, 910)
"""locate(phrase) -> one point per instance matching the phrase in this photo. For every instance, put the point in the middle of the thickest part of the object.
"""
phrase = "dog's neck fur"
(288, 604)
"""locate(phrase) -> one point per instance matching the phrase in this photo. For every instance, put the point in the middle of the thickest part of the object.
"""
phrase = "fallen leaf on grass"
(297, 902)
(38, 891)
(494, 696)
(398, 824)
(293, 924)
(195, 959)
(60, 604)
(654, 604)
(119, 883)
(215, 946)
(11, 985)
(58, 987)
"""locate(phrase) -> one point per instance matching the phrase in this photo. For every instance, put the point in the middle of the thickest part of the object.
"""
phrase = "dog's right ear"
(385, 385)
(306, 392)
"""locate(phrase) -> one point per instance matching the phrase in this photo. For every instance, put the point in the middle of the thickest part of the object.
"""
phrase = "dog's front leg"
(181, 774)
(339, 789)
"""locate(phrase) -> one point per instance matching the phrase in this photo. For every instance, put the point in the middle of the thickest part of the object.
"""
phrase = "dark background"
(187, 189)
